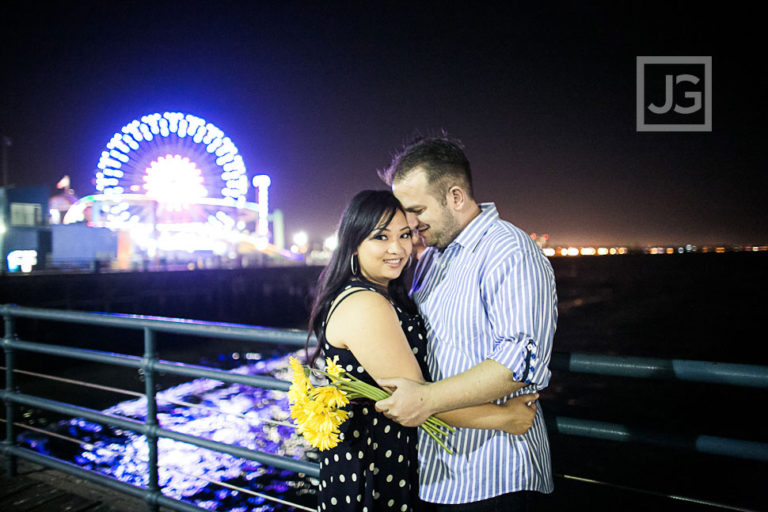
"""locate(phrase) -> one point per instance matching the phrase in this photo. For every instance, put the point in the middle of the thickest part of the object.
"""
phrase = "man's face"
(436, 223)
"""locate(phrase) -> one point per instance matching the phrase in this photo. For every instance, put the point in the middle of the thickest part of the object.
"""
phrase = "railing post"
(10, 364)
(148, 365)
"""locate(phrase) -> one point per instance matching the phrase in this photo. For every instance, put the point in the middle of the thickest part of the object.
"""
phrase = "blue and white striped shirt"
(489, 295)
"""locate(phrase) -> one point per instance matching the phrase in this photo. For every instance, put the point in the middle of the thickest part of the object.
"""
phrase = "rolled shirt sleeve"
(521, 304)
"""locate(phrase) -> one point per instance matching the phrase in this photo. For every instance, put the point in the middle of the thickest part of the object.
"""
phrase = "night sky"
(319, 94)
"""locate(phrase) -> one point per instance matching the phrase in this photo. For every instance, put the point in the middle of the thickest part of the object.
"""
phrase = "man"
(487, 295)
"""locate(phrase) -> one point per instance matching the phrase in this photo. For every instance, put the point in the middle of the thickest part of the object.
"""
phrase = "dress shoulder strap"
(356, 288)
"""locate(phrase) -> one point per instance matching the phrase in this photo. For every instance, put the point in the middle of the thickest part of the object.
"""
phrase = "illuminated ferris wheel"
(174, 182)
(175, 157)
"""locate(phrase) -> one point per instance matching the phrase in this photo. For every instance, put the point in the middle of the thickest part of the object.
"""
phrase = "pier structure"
(156, 460)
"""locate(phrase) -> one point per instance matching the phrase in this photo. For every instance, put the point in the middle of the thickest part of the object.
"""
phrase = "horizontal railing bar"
(162, 324)
(177, 504)
(74, 410)
(171, 367)
(671, 497)
(655, 368)
(700, 443)
(74, 382)
(236, 488)
(278, 461)
(563, 425)
(96, 356)
(298, 466)
(699, 371)
(191, 370)
(136, 394)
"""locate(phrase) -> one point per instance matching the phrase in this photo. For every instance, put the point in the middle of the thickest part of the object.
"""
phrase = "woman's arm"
(515, 416)
(367, 325)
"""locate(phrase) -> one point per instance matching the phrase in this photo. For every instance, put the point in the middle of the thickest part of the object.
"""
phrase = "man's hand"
(519, 413)
(409, 403)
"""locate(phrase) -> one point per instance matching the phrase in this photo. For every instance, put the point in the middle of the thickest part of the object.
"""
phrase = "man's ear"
(457, 198)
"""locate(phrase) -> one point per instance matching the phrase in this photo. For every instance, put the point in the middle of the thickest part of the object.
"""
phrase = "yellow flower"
(322, 423)
(317, 411)
(334, 369)
(299, 410)
(299, 375)
(330, 395)
(320, 441)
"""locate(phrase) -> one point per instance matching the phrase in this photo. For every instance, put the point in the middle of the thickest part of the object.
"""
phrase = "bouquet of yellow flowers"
(318, 411)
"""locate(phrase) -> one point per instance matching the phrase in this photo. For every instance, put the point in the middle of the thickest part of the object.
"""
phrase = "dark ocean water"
(690, 306)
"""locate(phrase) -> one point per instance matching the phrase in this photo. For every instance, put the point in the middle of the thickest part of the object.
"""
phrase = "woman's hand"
(519, 412)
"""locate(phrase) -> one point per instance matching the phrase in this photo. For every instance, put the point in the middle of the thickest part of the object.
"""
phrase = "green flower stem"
(438, 441)
(356, 388)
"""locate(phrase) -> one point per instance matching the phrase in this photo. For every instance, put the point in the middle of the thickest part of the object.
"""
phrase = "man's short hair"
(442, 159)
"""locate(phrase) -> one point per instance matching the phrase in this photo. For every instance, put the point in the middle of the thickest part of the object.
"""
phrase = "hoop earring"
(352, 266)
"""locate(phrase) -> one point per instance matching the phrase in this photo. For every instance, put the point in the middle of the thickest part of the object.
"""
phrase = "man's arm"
(521, 304)
(412, 402)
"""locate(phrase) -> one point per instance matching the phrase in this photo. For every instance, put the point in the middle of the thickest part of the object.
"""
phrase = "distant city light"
(21, 260)
(331, 243)
(301, 238)
(262, 183)
(571, 251)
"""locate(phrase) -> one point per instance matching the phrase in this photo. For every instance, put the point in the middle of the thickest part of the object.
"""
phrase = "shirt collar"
(474, 231)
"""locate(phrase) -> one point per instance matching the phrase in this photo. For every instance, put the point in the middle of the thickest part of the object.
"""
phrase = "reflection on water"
(235, 414)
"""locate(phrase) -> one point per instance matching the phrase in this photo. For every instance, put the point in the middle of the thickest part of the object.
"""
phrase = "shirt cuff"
(519, 356)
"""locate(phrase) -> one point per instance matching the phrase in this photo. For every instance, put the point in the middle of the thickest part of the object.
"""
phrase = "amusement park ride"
(172, 186)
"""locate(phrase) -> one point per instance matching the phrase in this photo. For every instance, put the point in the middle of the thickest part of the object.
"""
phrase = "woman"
(363, 315)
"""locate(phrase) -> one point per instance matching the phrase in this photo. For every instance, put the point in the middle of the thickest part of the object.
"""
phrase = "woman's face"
(384, 253)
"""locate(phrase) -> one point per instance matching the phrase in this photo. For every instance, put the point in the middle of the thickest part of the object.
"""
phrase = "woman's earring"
(352, 266)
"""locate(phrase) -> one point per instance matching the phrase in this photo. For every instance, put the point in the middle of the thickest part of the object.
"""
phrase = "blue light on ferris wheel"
(121, 156)
(145, 131)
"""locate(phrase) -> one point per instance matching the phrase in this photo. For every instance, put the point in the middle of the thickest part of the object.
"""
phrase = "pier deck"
(37, 489)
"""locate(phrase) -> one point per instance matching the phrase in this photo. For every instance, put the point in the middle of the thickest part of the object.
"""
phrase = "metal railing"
(151, 365)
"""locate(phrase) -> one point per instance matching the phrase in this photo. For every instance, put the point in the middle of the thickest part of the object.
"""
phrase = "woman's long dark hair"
(366, 211)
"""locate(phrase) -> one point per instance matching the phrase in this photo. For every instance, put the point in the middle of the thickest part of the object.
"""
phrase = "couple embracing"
(464, 333)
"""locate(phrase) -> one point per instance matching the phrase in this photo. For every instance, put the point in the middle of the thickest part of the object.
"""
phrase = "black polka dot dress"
(374, 467)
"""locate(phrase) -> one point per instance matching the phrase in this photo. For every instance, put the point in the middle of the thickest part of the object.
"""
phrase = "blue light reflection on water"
(184, 468)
